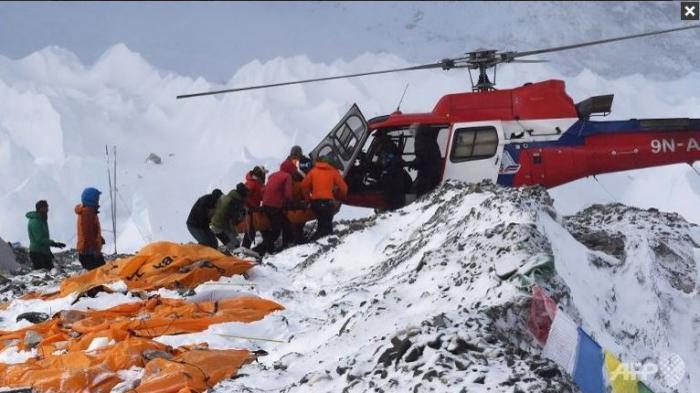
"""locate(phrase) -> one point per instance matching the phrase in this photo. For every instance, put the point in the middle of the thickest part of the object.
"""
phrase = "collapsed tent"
(79, 351)
(66, 362)
(157, 265)
(168, 370)
(75, 330)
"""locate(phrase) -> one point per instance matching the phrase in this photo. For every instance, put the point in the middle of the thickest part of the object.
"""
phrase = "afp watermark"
(668, 369)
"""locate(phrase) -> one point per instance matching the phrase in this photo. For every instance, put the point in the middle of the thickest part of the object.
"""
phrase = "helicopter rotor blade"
(441, 64)
(528, 61)
(513, 55)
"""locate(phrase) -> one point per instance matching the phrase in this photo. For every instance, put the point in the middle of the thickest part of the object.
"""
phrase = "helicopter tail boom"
(605, 147)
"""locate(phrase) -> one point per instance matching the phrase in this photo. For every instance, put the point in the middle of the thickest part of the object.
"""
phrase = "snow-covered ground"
(412, 300)
(57, 114)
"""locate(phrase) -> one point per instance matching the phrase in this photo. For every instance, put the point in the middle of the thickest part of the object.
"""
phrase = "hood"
(251, 177)
(91, 197)
(289, 167)
(32, 215)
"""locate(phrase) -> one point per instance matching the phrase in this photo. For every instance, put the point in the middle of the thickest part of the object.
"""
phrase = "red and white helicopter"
(532, 134)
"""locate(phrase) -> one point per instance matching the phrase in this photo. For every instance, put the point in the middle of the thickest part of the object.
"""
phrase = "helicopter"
(534, 134)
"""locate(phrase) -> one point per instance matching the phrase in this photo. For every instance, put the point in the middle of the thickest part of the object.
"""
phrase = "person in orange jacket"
(90, 239)
(319, 186)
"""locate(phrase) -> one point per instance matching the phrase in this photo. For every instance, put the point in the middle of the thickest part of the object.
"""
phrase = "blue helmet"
(91, 197)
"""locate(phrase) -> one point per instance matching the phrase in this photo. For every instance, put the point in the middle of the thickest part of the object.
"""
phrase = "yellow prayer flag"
(621, 378)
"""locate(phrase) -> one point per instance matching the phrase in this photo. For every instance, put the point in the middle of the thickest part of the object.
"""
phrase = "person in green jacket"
(40, 242)
(228, 212)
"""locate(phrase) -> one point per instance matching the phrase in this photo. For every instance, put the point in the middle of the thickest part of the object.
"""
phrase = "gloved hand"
(57, 244)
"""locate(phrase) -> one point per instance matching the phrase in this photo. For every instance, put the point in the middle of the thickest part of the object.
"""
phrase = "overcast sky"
(213, 39)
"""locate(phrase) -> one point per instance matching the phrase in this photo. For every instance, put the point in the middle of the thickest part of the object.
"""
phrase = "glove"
(57, 244)
(103, 240)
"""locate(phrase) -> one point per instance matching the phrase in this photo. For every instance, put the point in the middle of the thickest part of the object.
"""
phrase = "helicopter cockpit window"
(404, 138)
(475, 143)
(347, 136)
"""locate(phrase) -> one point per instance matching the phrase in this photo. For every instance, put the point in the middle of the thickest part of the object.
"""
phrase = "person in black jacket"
(428, 160)
(200, 215)
(395, 181)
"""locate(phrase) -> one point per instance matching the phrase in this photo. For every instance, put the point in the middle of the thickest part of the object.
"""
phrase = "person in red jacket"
(276, 196)
(255, 182)
(320, 186)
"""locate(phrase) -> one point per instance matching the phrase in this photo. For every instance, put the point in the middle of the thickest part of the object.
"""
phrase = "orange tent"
(75, 330)
(180, 370)
(64, 364)
(158, 265)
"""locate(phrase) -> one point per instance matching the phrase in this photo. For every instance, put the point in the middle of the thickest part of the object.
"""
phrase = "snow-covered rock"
(8, 261)
(411, 300)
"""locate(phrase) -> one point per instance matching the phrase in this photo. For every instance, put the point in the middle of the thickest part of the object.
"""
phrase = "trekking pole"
(114, 202)
(111, 198)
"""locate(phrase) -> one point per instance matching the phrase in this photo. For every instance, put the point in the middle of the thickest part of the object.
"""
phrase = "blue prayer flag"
(588, 371)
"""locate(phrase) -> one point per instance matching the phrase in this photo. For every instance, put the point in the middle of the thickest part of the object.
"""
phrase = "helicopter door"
(345, 141)
(475, 151)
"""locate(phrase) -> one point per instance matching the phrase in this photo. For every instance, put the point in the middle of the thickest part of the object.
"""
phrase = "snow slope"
(57, 114)
(410, 300)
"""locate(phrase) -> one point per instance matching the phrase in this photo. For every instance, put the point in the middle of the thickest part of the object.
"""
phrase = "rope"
(605, 189)
(695, 170)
